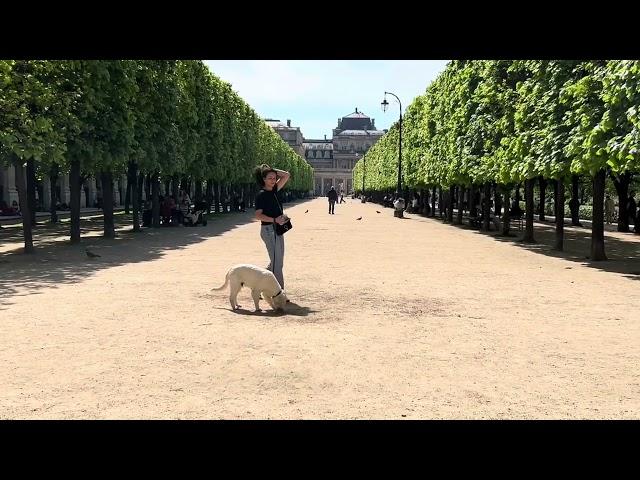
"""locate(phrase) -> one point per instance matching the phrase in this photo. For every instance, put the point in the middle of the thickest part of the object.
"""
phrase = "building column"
(46, 192)
(83, 197)
(3, 188)
(92, 191)
(116, 191)
(123, 191)
(65, 192)
(10, 186)
(4, 173)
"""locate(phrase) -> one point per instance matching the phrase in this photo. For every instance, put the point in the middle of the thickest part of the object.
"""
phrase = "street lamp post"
(385, 105)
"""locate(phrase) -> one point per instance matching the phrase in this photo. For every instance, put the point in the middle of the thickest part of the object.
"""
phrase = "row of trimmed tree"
(492, 125)
(165, 120)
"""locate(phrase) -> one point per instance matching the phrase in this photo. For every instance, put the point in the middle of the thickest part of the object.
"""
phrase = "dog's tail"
(224, 285)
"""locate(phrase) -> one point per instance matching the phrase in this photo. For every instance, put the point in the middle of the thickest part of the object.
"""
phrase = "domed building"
(333, 160)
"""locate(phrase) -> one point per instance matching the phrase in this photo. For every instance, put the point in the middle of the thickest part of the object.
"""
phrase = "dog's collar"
(277, 294)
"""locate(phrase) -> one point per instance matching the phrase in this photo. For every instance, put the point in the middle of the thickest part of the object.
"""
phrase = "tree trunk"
(155, 199)
(597, 221)
(175, 187)
(209, 195)
(107, 204)
(216, 196)
(245, 194)
(473, 210)
(132, 187)
(621, 183)
(497, 201)
(554, 185)
(433, 202)
(574, 204)
(74, 185)
(518, 194)
(147, 187)
(198, 193)
(543, 188)
(440, 202)
(452, 193)
(528, 198)
(140, 189)
(31, 189)
(558, 194)
(54, 172)
(505, 217)
(486, 207)
(225, 198)
(127, 197)
(21, 186)
(167, 188)
(460, 203)
(255, 194)
(186, 185)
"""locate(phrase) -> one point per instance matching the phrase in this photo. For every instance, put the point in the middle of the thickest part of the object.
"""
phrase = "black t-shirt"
(266, 201)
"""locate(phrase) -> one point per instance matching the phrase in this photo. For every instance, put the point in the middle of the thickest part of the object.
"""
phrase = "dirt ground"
(390, 319)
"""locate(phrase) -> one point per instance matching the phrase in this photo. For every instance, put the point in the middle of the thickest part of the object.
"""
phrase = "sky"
(313, 94)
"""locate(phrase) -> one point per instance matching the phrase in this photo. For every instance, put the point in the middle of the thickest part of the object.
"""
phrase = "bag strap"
(275, 194)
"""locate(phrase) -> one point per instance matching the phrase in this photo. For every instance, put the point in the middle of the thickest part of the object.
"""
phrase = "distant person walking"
(333, 198)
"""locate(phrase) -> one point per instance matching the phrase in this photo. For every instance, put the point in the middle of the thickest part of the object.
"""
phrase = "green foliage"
(171, 117)
(507, 121)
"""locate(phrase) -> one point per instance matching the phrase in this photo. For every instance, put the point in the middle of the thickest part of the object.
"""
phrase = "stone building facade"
(333, 159)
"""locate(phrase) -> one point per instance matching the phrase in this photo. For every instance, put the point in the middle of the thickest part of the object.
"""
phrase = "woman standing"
(269, 211)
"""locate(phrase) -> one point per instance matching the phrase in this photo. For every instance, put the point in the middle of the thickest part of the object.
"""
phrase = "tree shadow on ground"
(622, 249)
(56, 261)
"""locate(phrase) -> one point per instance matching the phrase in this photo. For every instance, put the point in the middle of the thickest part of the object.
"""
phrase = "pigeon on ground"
(377, 211)
(90, 254)
(359, 218)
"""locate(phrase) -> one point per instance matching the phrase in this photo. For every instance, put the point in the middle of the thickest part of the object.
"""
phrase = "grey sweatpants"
(275, 248)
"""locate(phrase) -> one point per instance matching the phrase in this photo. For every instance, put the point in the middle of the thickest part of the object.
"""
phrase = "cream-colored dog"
(259, 280)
